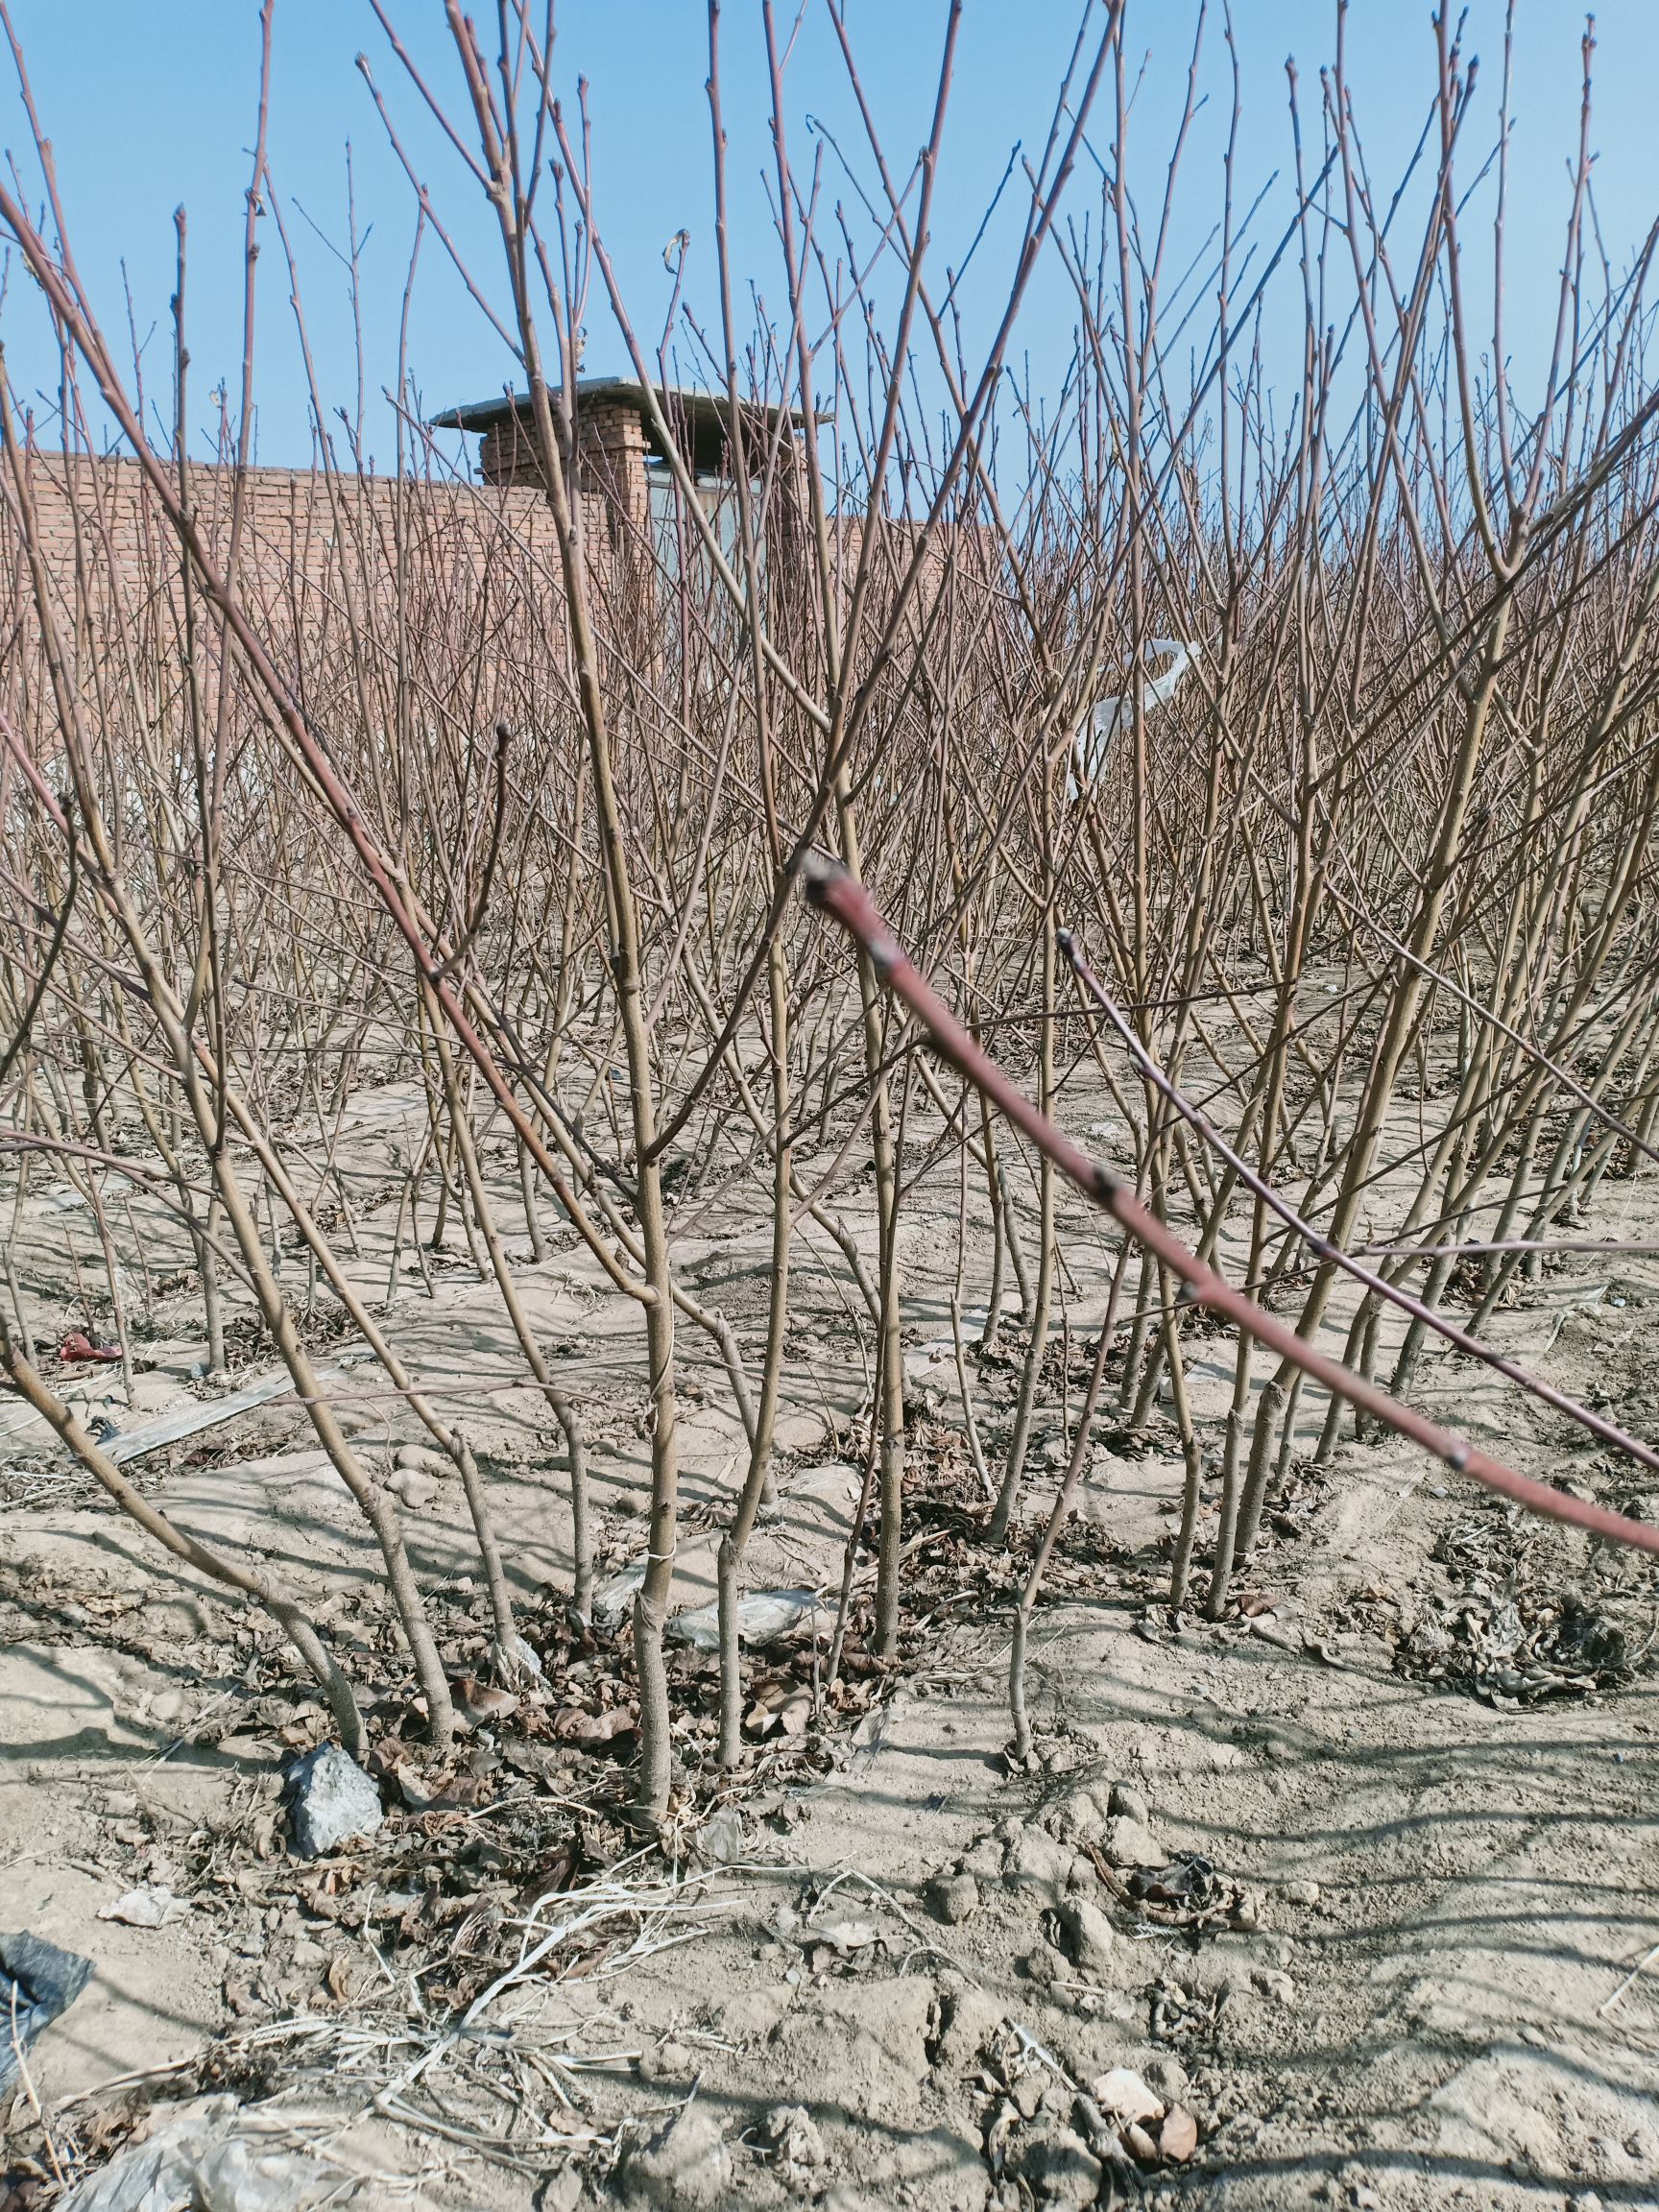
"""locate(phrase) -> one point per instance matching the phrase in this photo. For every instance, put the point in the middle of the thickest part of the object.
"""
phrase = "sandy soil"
(1415, 1963)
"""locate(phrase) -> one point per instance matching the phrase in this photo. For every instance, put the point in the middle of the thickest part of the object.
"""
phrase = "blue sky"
(149, 104)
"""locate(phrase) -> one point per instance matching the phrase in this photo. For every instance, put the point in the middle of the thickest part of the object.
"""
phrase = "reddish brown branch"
(830, 887)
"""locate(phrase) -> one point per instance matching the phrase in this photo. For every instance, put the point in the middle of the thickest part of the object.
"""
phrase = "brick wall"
(309, 549)
(100, 517)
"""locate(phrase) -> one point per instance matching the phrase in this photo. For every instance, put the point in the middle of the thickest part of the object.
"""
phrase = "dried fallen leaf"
(557, 1874)
(151, 1904)
(1140, 2143)
(795, 1713)
(242, 1993)
(842, 1933)
(481, 1704)
(589, 1731)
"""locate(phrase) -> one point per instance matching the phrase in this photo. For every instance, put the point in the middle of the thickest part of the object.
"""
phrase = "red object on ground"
(75, 1346)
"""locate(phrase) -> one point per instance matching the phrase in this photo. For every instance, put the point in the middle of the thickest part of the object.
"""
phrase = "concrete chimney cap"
(697, 420)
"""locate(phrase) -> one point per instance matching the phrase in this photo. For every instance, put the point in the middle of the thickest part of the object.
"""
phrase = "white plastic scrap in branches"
(1107, 716)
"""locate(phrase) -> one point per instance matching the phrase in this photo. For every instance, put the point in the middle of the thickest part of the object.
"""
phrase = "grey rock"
(685, 2167)
(1227, 1966)
(1129, 1843)
(1130, 1803)
(413, 1490)
(1128, 2096)
(791, 2133)
(971, 2017)
(1301, 1893)
(984, 1862)
(954, 1897)
(1036, 1861)
(1076, 1817)
(1089, 1936)
(332, 1801)
(669, 2062)
(1041, 1966)
(1168, 2078)
(1026, 2095)
(422, 1459)
(1058, 2167)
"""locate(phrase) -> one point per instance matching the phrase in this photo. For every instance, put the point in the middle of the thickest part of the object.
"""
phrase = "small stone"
(1178, 2137)
(954, 1897)
(1090, 1936)
(1040, 1965)
(670, 2062)
(790, 2134)
(1058, 2167)
(422, 1459)
(971, 2017)
(1277, 1986)
(1130, 1804)
(413, 1490)
(1037, 1861)
(1123, 2094)
(332, 1802)
(1076, 1818)
(1168, 2077)
(685, 2167)
(1305, 1893)
(1129, 1843)
(984, 1861)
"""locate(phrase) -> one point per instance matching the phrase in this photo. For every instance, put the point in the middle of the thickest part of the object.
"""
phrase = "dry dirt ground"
(1395, 1941)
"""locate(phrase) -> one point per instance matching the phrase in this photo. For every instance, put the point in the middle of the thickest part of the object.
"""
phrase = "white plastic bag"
(1103, 721)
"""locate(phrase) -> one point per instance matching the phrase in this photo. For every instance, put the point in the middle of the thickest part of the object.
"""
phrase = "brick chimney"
(613, 446)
